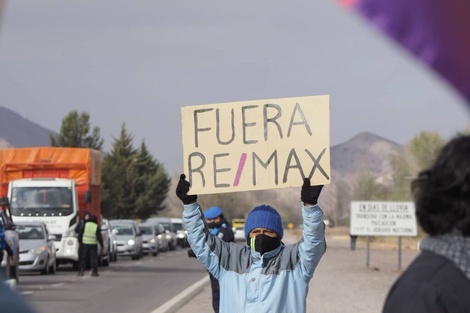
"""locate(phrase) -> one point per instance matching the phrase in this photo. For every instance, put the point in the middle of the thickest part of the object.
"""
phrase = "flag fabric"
(435, 31)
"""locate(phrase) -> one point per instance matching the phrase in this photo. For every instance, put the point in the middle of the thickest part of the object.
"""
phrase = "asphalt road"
(125, 286)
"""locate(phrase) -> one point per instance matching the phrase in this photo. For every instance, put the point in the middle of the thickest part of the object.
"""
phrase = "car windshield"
(44, 201)
(147, 230)
(178, 226)
(166, 226)
(30, 232)
(124, 229)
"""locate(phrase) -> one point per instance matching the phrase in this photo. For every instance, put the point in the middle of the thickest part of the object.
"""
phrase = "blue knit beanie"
(212, 212)
(264, 216)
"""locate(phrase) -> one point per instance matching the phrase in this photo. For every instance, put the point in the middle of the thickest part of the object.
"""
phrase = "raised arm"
(312, 245)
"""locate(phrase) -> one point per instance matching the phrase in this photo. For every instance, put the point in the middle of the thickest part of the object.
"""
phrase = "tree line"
(134, 184)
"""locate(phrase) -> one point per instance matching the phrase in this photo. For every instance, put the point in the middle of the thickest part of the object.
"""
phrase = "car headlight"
(168, 237)
(159, 236)
(152, 240)
(130, 242)
(38, 250)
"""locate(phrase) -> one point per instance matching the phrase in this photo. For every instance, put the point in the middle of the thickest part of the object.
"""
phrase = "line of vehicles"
(45, 192)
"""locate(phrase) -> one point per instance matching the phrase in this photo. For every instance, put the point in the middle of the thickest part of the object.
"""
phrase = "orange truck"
(55, 186)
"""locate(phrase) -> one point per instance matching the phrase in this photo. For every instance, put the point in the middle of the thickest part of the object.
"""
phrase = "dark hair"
(442, 192)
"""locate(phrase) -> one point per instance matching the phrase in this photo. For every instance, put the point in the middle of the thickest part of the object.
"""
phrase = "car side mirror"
(115, 231)
(104, 228)
(52, 238)
(139, 234)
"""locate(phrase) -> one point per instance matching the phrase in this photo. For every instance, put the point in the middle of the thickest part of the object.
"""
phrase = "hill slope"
(17, 131)
(364, 152)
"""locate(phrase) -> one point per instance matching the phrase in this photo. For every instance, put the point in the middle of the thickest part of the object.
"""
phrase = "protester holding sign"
(265, 275)
(438, 280)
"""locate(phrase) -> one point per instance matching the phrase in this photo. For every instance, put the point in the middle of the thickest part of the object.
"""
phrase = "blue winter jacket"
(275, 282)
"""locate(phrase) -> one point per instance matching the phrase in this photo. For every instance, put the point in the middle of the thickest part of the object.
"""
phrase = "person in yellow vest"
(89, 238)
(79, 229)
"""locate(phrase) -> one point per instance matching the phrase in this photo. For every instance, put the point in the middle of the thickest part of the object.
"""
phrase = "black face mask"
(214, 224)
(263, 243)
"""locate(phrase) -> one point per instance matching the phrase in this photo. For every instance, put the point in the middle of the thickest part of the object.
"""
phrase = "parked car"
(129, 238)
(9, 265)
(149, 238)
(112, 239)
(161, 237)
(169, 230)
(181, 233)
(37, 251)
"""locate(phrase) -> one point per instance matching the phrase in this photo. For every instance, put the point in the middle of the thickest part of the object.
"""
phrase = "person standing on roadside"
(353, 241)
(81, 224)
(266, 275)
(89, 239)
(79, 229)
(438, 280)
(220, 228)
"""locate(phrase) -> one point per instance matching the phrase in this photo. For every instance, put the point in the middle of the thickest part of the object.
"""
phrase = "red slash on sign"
(241, 164)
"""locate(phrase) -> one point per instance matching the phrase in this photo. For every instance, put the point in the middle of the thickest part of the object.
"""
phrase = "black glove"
(182, 191)
(310, 194)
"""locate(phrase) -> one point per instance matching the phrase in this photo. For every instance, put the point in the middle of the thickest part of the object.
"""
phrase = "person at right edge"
(438, 279)
(266, 275)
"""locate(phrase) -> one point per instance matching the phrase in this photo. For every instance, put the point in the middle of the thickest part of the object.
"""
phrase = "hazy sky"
(137, 62)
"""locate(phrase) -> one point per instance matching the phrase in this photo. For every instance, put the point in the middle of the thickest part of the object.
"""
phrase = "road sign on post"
(370, 218)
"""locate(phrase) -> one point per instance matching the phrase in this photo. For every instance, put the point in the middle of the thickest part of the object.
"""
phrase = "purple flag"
(436, 31)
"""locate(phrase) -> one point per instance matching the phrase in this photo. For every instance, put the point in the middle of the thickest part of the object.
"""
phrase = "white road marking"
(174, 304)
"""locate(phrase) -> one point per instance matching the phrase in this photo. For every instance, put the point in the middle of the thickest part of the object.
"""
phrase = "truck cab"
(52, 201)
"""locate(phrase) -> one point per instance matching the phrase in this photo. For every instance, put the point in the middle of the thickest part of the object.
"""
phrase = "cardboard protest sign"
(256, 145)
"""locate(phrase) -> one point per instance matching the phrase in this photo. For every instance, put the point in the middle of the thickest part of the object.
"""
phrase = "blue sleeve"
(312, 245)
(199, 238)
